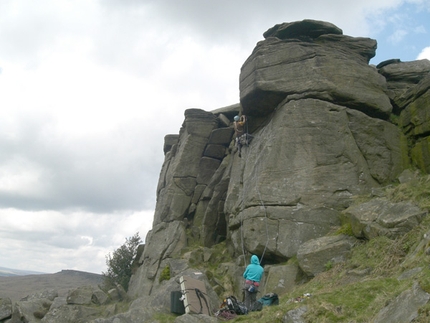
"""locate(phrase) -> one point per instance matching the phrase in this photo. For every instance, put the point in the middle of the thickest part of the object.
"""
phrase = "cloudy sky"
(89, 89)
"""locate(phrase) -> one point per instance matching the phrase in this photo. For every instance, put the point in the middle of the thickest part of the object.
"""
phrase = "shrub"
(119, 264)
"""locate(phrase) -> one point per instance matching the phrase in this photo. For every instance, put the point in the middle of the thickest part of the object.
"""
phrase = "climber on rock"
(239, 125)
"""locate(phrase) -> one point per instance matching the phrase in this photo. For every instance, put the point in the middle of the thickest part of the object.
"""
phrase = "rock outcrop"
(320, 118)
(324, 127)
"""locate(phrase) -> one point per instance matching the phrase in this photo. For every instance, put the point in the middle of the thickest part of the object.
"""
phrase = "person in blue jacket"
(252, 275)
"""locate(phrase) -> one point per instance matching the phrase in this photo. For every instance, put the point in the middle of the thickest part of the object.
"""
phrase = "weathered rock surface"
(405, 307)
(408, 86)
(70, 314)
(295, 316)
(281, 279)
(80, 296)
(33, 307)
(311, 59)
(401, 79)
(5, 308)
(383, 218)
(315, 255)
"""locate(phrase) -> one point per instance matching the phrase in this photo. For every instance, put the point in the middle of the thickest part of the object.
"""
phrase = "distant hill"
(8, 272)
(18, 286)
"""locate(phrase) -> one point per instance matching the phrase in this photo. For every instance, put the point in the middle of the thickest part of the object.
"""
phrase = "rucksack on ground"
(235, 306)
(269, 299)
(256, 306)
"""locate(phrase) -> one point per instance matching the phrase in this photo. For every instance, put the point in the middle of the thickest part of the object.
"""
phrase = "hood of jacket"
(255, 260)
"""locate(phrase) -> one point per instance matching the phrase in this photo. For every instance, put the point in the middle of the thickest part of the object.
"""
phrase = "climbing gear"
(194, 296)
(224, 314)
(234, 305)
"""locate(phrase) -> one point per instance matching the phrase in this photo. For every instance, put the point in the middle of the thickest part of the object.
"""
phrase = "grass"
(417, 191)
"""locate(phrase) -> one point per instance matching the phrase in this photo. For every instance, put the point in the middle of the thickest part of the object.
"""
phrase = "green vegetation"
(328, 265)
(119, 264)
(165, 274)
(345, 229)
(165, 318)
(417, 191)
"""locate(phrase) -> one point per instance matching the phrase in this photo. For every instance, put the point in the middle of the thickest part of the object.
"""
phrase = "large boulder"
(80, 296)
(296, 315)
(312, 59)
(317, 255)
(414, 118)
(300, 29)
(380, 217)
(409, 90)
(165, 240)
(415, 122)
(34, 307)
(401, 79)
(404, 308)
(5, 308)
(281, 279)
(71, 314)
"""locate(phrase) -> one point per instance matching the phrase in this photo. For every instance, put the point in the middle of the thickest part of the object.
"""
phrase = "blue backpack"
(269, 299)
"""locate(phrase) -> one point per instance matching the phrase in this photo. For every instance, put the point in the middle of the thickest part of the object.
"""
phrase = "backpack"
(256, 306)
(234, 305)
(269, 299)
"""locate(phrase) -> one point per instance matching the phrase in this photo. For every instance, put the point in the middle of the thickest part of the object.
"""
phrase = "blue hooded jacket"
(253, 271)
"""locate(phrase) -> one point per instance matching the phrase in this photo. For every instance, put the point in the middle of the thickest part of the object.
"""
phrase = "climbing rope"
(200, 295)
(243, 207)
(265, 221)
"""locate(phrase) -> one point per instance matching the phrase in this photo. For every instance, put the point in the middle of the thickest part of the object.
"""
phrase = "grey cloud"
(99, 174)
(26, 29)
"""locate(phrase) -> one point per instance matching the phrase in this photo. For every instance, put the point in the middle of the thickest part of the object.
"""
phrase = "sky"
(89, 89)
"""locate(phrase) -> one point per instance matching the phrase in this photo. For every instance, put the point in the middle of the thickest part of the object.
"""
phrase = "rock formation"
(320, 118)
(325, 127)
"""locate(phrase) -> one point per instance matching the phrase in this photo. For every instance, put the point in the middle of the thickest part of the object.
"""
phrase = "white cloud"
(50, 240)
(398, 36)
(425, 53)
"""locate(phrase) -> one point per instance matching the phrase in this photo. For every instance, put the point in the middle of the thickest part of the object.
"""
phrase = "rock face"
(311, 59)
(320, 120)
